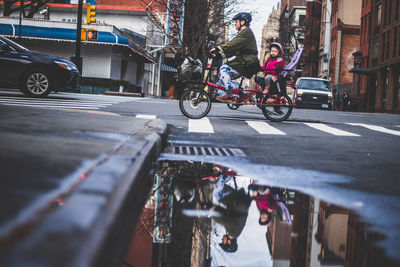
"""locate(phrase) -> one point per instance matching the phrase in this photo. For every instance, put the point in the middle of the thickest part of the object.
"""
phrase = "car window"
(314, 85)
(14, 45)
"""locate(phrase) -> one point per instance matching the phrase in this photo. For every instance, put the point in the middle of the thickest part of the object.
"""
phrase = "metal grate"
(206, 151)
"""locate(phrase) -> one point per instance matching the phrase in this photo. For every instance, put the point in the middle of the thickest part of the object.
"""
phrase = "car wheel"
(36, 83)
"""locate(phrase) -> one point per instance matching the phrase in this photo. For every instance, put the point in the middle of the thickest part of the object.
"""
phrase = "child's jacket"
(272, 64)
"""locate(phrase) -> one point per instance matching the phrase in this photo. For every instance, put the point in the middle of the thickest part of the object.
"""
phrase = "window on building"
(378, 18)
(302, 20)
(397, 10)
(388, 12)
(387, 45)
(383, 40)
(375, 48)
(369, 27)
(395, 41)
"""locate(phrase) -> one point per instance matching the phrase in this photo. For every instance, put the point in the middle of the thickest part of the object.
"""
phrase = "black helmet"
(246, 17)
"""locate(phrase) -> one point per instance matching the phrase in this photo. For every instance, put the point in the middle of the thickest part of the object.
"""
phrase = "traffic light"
(92, 35)
(89, 35)
(90, 13)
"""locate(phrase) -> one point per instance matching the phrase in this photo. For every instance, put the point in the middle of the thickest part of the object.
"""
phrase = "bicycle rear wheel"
(278, 111)
(195, 103)
(233, 106)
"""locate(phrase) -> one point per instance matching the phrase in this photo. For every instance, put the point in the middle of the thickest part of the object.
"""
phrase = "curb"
(123, 94)
(95, 225)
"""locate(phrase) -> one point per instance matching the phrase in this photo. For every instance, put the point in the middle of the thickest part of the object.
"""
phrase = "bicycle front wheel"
(280, 110)
(195, 103)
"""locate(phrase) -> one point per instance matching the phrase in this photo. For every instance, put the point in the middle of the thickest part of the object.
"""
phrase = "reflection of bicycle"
(195, 103)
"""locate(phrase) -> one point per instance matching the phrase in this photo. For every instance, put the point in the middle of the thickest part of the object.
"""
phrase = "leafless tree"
(29, 8)
(291, 36)
(204, 21)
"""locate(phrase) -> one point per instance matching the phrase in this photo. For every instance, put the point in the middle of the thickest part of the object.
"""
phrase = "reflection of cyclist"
(265, 204)
(267, 198)
(233, 217)
(243, 48)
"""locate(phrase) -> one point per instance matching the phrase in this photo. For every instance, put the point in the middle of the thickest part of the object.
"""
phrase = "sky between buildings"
(260, 10)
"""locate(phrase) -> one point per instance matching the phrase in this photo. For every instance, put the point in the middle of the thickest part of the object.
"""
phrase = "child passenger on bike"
(243, 49)
(273, 64)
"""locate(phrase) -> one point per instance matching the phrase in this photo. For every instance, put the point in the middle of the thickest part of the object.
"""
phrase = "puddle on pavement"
(203, 214)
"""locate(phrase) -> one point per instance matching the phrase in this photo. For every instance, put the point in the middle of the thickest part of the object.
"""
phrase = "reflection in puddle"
(203, 214)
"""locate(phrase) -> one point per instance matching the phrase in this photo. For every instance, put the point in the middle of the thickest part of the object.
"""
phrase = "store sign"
(163, 210)
(175, 22)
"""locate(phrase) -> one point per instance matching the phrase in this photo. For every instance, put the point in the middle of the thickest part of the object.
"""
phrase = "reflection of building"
(190, 237)
(278, 239)
(361, 246)
(332, 233)
(302, 231)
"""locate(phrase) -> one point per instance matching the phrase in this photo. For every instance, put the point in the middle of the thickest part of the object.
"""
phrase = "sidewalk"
(73, 185)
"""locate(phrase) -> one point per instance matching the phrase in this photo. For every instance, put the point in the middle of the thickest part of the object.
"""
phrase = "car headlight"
(65, 65)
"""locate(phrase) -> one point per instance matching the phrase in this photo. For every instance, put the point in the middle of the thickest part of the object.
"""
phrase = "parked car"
(35, 74)
(314, 93)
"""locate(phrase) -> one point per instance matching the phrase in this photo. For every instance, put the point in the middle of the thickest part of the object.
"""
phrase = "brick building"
(377, 62)
(345, 38)
(292, 26)
(311, 40)
(270, 32)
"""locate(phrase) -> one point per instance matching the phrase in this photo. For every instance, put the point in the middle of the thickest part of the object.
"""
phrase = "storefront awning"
(168, 68)
(65, 34)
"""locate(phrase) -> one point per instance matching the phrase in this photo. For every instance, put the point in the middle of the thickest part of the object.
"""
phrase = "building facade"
(312, 39)
(345, 38)
(270, 32)
(377, 62)
(292, 26)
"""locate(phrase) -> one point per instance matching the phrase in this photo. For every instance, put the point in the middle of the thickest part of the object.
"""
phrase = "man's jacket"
(244, 47)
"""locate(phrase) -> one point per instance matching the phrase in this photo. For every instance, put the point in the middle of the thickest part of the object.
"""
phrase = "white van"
(314, 93)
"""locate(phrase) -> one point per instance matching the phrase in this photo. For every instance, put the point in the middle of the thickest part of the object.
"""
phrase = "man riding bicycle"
(243, 50)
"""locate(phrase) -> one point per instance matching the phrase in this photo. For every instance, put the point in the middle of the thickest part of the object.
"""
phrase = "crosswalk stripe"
(264, 128)
(200, 126)
(54, 103)
(144, 116)
(50, 106)
(376, 128)
(329, 129)
(52, 100)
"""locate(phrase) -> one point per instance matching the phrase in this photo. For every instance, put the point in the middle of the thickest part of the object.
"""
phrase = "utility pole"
(78, 60)
(21, 6)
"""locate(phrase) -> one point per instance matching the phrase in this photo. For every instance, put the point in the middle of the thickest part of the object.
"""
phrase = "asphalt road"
(347, 158)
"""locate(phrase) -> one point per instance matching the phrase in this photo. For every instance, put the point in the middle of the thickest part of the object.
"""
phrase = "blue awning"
(70, 35)
(168, 68)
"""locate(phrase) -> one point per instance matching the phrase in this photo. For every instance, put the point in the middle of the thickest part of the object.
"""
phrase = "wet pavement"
(207, 214)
